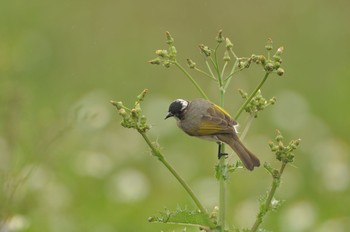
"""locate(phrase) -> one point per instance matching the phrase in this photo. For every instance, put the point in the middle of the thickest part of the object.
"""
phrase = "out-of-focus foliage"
(67, 165)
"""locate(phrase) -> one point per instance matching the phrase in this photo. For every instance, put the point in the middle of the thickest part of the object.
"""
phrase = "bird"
(204, 119)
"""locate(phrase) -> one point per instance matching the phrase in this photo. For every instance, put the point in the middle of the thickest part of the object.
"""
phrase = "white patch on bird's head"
(177, 109)
(183, 102)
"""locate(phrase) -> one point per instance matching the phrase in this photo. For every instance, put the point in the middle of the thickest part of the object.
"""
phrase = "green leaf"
(184, 217)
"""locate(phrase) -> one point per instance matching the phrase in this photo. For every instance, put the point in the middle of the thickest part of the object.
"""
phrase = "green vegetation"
(134, 118)
(66, 164)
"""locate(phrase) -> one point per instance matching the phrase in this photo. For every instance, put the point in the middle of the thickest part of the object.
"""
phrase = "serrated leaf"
(184, 217)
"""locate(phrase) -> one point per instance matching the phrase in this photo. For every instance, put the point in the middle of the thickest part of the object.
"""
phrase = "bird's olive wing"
(216, 121)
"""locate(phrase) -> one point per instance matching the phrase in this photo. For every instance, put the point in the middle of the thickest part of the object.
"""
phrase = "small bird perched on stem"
(204, 119)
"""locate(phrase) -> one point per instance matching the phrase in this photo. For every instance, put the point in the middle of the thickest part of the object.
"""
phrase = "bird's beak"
(168, 115)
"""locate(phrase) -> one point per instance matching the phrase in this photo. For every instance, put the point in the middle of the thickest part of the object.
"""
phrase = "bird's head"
(177, 108)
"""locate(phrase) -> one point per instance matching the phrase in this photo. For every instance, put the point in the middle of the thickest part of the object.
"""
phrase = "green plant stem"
(204, 73)
(215, 65)
(229, 77)
(234, 54)
(222, 180)
(162, 159)
(266, 207)
(251, 96)
(209, 68)
(192, 80)
(224, 68)
(222, 194)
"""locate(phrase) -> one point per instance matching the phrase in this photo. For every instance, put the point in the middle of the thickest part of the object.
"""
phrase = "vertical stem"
(222, 180)
(222, 194)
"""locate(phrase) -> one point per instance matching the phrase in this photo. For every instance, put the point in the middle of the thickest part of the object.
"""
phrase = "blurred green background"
(67, 165)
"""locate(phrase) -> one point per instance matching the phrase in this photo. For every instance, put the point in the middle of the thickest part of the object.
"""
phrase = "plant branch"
(251, 96)
(266, 207)
(224, 69)
(204, 73)
(222, 194)
(192, 80)
(156, 152)
(229, 77)
(211, 72)
(216, 66)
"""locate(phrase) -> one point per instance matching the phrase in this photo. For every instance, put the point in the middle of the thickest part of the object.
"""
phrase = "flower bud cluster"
(284, 153)
(133, 118)
(274, 64)
(166, 57)
(269, 65)
(258, 103)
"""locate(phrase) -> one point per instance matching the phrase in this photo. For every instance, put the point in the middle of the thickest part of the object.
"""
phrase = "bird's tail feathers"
(247, 157)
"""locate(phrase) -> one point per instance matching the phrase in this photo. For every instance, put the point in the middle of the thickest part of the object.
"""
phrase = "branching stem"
(251, 96)
(267, 205)
(156, 152)
(209, 68)
(192, 80)
(204, 73)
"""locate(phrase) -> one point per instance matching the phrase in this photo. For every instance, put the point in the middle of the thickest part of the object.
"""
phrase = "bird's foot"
(221, 154)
